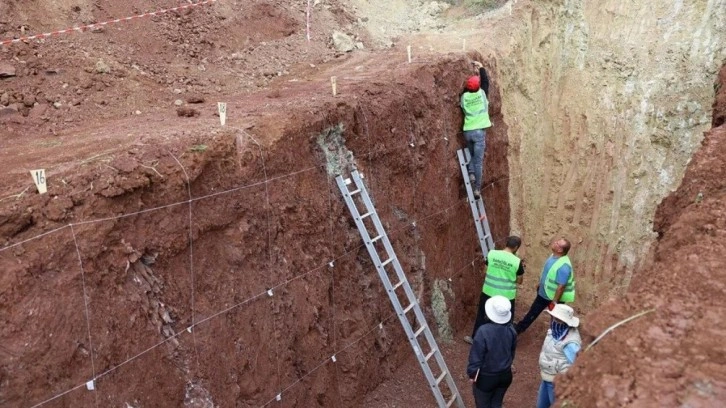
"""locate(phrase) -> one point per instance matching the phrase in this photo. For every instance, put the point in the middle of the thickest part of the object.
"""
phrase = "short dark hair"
(514, 242)
(566, 247)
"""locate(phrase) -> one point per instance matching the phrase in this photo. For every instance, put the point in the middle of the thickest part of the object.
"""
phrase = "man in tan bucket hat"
(558, 351)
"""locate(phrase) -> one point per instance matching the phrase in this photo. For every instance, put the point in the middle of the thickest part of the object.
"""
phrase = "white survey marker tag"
(39, 180)
(278, 397)
(333, 358)
(269, 292)
(222, 108)
(90, 386)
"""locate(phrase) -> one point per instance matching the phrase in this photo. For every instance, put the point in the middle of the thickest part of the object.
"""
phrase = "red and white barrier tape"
(91, 26)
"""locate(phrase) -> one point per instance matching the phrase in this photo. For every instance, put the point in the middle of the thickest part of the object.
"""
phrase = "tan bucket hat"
(565, 313)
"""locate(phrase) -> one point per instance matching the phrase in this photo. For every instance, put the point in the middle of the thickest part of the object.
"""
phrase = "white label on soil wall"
(39, 180)
(222, 107)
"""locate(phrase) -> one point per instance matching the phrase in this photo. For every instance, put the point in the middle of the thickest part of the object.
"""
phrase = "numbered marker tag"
(222, 107)
(278, 397)
(333, 358)
(90, 386)
(39, 179)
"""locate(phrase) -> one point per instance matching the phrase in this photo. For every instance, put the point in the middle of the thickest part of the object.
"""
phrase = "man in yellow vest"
(503, 273)
(475, 105)
(556, 285)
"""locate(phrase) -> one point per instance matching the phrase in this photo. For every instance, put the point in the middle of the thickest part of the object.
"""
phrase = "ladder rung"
(441, 377)
(378, 238)
(366, 215)
(451, 401)
(406, 310)
(398, 285)
(354, 192)
(383, 265)
(431, 354)
(419, 331)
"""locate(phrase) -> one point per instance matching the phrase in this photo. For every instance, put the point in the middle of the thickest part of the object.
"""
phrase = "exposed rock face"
(606, 102)
(188, 303)
(674, 355)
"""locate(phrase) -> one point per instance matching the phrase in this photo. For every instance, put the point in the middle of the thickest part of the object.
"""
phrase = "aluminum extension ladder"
(393, 280)
(477, 206)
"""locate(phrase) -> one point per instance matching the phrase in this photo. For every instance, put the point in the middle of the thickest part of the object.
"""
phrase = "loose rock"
(186, 112)
(6, 70)
(342, 42)
(102, 67)
(195, 99)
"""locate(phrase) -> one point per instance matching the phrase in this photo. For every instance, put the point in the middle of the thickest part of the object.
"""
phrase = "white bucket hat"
(566, 314)
(498, 309)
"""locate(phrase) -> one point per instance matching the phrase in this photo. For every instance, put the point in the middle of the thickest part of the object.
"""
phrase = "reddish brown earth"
(104, 275)
(675, 355)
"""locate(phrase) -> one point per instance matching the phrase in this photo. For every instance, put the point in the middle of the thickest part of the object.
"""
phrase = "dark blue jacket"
(493, 349)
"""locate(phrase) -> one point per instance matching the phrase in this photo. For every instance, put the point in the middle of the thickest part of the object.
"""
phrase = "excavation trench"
(212, 265)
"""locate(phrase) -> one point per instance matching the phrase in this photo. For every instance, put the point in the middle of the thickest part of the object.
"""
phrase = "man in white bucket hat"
(558, 351)
(492, 354)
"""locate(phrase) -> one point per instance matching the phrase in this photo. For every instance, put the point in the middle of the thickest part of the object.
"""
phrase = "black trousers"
(481, 314)
(535, 310)
(489, 389)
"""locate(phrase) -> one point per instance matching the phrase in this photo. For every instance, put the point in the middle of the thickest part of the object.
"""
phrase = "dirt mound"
(673, 356)
(143, 66)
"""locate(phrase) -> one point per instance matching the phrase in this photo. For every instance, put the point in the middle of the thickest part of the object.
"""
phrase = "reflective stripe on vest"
(568, 295)
(476, 110)
(501, 279)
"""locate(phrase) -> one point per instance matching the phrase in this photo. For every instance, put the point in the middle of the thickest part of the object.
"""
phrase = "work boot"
(468, 339)
(477, 195)
(472, 178)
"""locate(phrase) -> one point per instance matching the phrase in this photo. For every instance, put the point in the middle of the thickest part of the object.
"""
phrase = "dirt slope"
(121, 314)
(675, 355)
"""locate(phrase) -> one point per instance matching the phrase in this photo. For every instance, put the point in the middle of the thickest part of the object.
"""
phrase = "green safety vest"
(568, 295)
(476, 110)
(501, 279)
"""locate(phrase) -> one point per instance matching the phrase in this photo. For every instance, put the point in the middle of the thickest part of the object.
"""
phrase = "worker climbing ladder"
(477, 206)
(394, 280)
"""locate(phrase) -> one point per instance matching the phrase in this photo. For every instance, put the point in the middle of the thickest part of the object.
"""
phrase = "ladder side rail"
(411, 297)
(384, 276)
(485, 225)
(464, 157)
(362, 229)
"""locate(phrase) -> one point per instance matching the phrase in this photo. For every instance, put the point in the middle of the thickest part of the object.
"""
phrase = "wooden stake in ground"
(408, 51)
(334, 85)
(39, 180)
(463, 46)
(222, 108)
